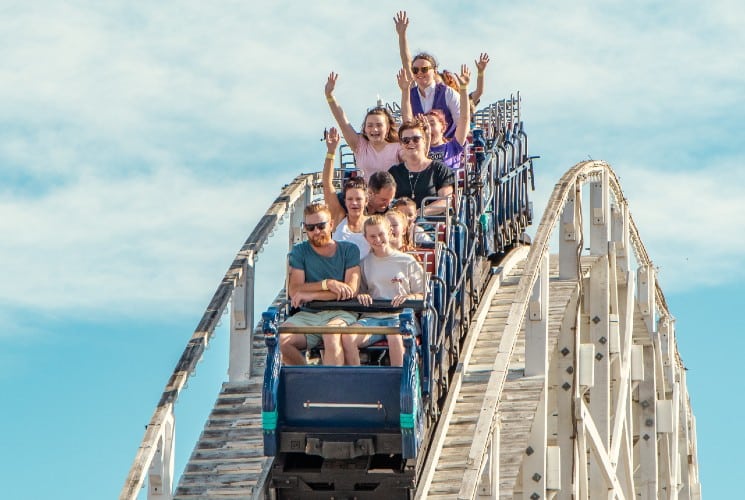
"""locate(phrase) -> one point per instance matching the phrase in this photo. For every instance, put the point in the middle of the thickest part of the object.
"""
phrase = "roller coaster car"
(351, 430)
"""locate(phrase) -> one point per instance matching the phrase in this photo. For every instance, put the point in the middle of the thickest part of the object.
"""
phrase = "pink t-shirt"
(370, 161)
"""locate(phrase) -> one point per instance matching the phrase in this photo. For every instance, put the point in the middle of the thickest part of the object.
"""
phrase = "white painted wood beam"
(564, 384)
(570, 230)
(646, 296)
(599, 216)
(534, 462)
(160, 473)
(536, 326)
(489, 482)
(608, 479)
(600, 394)
(647, 444)
(241, 322)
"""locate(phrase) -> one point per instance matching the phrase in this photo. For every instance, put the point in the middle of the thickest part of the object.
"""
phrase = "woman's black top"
(419, 185)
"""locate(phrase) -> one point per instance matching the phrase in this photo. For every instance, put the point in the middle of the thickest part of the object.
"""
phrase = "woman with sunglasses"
(347, 222)
(419, 177)
(428, 93)
(376, 146)
(448, 151)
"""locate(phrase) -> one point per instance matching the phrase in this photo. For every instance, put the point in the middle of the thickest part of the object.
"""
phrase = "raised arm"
(461, 128)
(329, 192)
(404, 83)
(402, 22)
(350, 135)
(481, 63)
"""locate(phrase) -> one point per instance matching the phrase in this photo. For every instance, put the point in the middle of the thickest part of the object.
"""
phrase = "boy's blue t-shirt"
(318, 267)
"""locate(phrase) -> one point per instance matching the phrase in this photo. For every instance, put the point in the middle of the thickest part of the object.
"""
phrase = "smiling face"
(376, 128)
(424, 71)
(412, 142)
(318, 227)
(379, 201)
(378, 236)
(355, 199)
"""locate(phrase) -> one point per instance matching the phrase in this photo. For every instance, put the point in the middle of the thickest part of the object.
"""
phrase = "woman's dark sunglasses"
(423, 69)
(312, 227)
(414, 138)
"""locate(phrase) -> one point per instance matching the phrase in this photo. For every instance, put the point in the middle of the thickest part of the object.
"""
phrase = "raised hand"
(401, 21)
(465, 75)
(331, 84)
(404, 79)
(482, 61)
(332, 139)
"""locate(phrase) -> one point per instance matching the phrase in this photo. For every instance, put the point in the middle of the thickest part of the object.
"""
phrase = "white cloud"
(692, 223)
(126, 127)
(96, 247)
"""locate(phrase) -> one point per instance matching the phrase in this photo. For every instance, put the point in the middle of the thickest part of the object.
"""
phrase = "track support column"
(241, 322)
(160, 473)
(489, 481)
(536, 365)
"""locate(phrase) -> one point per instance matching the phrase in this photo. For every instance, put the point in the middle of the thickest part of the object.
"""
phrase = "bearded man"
(320, 269)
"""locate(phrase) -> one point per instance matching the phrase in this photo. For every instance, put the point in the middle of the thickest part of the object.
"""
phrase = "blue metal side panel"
(337, 397)
(269, 390)
(412, 416)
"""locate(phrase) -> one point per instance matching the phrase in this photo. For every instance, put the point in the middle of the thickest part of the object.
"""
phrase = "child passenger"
(387, 274)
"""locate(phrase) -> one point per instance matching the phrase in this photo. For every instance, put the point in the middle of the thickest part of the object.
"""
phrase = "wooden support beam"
(534, 462)
(489, 482)
(647, 485)
(242, 322)
(536, 326)
(570, 235)
(599, 216)
(160, 472)
(564, 386)
(646, 291)
(607, 482)
(600, 394)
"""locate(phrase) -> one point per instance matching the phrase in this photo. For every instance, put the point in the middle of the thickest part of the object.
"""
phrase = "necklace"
(416, 181)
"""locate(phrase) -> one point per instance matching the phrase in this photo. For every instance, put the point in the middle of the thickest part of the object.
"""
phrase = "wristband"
(464, 87)
(330, 156)
(330, 98)
(480, 73)
(324, 285)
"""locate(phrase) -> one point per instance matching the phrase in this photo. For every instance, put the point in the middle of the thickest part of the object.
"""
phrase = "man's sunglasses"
(414, 138)
(423, 69)
(312, 227)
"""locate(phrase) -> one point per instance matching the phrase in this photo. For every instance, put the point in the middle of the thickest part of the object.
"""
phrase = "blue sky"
(139, 144)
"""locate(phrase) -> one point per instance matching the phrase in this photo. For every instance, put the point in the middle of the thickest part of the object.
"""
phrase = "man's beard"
(320, 240)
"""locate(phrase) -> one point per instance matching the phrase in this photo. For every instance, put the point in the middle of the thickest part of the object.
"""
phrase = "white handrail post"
(569, 233)
(536, 328)
(599, 215)
(241, 322)
(160, 473)
(536, 365)
(489, 481)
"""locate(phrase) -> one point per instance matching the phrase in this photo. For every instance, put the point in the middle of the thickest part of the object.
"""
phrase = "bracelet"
(480, 73)
(324, 285)
(464, 87)
(330, 98)
(330, 156)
